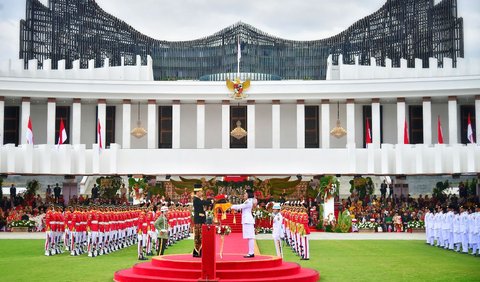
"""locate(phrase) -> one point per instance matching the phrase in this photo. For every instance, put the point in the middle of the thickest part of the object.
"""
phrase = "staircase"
(237, 226)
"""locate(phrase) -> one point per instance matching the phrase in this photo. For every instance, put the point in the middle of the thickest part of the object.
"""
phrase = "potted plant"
(367, 227)
(21, 225)
(416, 226)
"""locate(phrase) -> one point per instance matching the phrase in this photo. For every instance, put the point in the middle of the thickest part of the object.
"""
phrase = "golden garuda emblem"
(238, 87)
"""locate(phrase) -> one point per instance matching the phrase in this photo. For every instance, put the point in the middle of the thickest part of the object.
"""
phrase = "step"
(286, 269)
(152, 270)
(127, 275)
(304, 275)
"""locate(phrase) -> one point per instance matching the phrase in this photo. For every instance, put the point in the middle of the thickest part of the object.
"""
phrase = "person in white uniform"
(248, 223)
(278, 232)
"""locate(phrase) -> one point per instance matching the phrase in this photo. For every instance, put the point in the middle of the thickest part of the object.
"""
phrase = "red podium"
(209, 258)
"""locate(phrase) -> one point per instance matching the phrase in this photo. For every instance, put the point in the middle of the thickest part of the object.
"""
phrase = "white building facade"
(288, 122)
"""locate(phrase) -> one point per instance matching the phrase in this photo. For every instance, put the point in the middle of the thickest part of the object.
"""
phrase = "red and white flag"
(99, 135)
(62, 133)
(470, 130)
(368, 133)
(439, 132)
(405, 134)
(29, 132)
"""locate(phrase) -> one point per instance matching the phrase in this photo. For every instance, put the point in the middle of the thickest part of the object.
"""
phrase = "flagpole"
(239, 55)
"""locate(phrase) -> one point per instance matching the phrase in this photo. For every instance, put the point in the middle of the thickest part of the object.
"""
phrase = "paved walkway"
(313, 236)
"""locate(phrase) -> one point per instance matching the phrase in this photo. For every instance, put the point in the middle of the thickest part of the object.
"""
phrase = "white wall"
(188, 126)
(288, 125)
(38, 115)
(263, 126)
(213, 126)
(89, 122)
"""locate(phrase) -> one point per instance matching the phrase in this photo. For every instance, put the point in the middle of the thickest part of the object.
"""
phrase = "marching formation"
(100, 230)
(454, 229)
(295, 222)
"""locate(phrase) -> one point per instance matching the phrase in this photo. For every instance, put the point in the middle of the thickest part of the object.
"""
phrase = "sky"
(177, 20)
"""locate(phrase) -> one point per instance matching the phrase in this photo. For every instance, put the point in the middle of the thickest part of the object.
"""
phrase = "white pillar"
(102, 117)
(24, 122)
(251, 124)
(152, 124)
(400, 119)
(51, 115)
(427, 121)
(200, 124)
(477, 119)
(2, 118)
(225, 124)
(126, 123)
(351, 123)
(376, 123)
(76, 121)
(452, 120)
(276, 124)
(176, 124)
(325, 124)
(300, 124)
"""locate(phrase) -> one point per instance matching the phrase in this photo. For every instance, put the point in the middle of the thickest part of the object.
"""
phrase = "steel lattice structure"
(80, 29)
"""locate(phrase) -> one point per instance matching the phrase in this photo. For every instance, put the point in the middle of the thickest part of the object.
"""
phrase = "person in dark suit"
(56, 192)
(94, 191)
(199, 218)
(13, 194)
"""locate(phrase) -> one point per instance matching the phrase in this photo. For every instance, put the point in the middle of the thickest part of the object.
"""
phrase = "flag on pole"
(439, 131)
(405, 134)
(62, 133)
(368, 134)
(29, 132)
(239, 55)
(470, 130)
(99, 135)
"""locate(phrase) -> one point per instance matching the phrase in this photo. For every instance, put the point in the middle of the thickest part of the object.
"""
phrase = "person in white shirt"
(457, 235)
(464, 229)
(248, 223)
(278, 232)
(430, 236)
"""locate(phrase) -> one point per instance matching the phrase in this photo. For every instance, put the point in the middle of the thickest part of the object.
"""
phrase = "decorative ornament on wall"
(238, 87)
(138, 131)
(338, 131)
(238, 132)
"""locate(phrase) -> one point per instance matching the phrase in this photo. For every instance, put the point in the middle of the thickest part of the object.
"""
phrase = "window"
(367, 114)
(165, 127)
(415, 124)
(312, 138)
(464, 111)
(11, 125)
(62, 112)
(238, 113)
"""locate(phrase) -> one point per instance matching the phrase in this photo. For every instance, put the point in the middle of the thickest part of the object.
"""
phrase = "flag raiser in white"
(470, 131)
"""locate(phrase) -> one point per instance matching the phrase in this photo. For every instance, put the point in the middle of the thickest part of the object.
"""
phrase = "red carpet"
(231, 267)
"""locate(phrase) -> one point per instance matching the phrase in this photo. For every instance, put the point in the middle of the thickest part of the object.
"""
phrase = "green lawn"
(23, 260)
(383, 260)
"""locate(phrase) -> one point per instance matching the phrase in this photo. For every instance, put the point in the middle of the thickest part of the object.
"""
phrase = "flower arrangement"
(367, 225)
(264, 230)
(260, 213)
(22, 223)
(223, 230)
(416, 224)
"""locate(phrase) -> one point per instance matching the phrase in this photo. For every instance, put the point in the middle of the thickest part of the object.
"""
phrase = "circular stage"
(232, 267)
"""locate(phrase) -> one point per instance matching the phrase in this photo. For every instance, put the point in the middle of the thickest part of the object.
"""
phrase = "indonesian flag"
(62, 135)
(405, 134)
(470, 130)
(368, 134)
(29, 132)
(99, 135)
(439, 131)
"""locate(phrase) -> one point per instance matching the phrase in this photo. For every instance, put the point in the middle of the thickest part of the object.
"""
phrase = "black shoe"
(197, 256)
(142, 258)
(304, 259)
(249, 256)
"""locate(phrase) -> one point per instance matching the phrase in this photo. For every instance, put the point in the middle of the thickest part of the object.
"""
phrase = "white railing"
(387, 160)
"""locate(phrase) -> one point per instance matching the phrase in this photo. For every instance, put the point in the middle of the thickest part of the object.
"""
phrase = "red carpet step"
(232, 267)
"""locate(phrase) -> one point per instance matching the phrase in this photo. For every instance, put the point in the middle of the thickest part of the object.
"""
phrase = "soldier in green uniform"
(161, 224)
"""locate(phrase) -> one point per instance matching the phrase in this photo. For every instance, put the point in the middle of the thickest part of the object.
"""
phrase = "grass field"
(23, 260)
